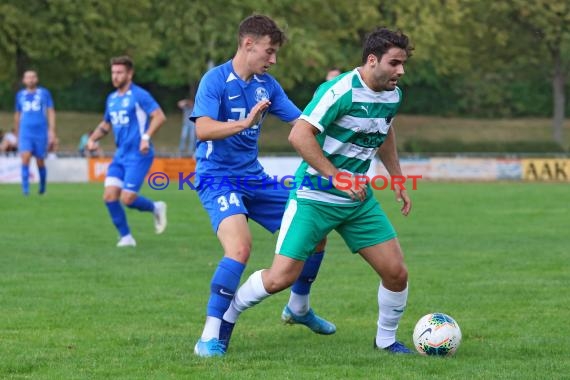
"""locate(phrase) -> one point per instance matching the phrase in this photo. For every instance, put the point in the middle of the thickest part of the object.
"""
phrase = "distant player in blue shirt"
(134, 116)
(34, 123)
(230, 105)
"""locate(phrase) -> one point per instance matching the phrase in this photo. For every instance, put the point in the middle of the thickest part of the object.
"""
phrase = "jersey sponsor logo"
(261, 94)
(372, 140)
(232, 97)
(125, 102)
(365, 109)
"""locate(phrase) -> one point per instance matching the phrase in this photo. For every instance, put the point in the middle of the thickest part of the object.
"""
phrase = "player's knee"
(398, 277)
(127, 197)
(402, 277)
(240, 252)
(110, 197)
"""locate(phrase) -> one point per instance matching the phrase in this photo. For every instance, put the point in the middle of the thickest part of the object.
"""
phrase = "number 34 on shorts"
(226, 201)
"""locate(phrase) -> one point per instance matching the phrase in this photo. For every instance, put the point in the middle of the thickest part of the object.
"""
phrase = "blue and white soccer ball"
(437, 334)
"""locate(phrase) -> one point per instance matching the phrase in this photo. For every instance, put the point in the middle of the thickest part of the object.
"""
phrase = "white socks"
(211, 328)
(391, 305)
(249, 294)
(298, 304)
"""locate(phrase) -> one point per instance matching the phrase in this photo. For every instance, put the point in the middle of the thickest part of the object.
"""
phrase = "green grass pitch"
(494, 256)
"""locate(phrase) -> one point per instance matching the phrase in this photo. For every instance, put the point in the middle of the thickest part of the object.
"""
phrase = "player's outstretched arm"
(210, 129)
(388, 154)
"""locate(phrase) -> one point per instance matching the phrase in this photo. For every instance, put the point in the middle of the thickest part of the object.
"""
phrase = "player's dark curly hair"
(260, 26)
(380, 40)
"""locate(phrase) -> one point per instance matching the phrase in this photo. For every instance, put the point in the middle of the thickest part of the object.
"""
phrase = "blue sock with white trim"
(223, 286)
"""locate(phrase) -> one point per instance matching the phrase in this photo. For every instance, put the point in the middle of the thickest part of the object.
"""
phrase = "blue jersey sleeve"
(208, 97)
(107, 116)
(17, 105)
(146, 101)
(282, 106)
(48, 98)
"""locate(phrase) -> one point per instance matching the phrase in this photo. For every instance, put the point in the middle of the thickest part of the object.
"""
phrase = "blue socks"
(43, 177)
(142, 204)
(223, 286)
(303, 284)
(118, 217)
(25, 179)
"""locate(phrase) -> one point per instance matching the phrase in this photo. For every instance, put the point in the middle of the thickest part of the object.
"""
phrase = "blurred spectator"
(188, 133)
(332, 73)
(82, 148)
(9, 142)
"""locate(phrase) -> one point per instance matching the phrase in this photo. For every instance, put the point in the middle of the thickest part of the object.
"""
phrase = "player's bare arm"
(157, 119)
(388, 154)
(302, 137)
(16, 122)
(51, 124)
(101, 131)
(210, 129)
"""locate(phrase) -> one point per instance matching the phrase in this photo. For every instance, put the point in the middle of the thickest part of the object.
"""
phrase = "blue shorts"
(37, 145)
(128, 173)
(264, 203)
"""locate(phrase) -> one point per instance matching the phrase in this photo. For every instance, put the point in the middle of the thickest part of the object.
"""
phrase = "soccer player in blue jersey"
(134, 116)
(34, 124)
(230, 105)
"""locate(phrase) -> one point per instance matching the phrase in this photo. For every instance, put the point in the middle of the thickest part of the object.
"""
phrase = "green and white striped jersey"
(354, 121)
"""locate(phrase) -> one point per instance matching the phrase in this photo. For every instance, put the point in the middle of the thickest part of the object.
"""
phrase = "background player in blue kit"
(134, 116)
(34, 123)
(230, 105)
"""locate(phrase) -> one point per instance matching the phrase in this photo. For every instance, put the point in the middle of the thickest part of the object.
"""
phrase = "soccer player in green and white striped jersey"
(347, 122)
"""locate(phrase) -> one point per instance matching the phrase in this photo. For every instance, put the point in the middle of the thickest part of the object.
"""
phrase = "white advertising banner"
(11, 170)
(58, 169)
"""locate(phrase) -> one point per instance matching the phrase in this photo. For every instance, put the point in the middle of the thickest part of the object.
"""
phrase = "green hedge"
(455, 146)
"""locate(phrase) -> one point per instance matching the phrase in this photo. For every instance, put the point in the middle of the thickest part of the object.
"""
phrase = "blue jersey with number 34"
(129, 115)
(223, 96)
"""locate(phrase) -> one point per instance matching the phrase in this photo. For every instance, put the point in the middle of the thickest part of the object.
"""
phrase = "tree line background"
(474, 58)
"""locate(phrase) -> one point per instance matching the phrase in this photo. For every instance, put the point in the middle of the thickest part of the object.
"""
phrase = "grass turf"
(492, 255)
